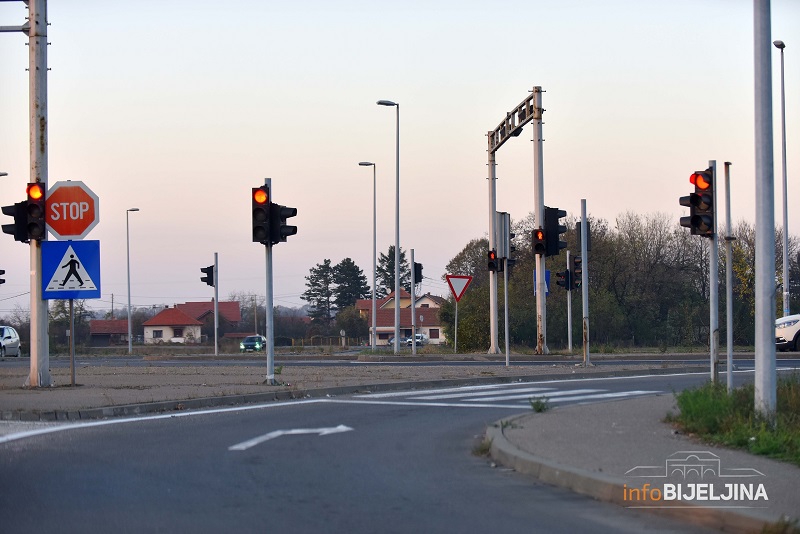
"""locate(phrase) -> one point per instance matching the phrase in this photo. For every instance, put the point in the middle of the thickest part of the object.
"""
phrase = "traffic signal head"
(19, 229)
(577, 272)
(261, 214)
(35, 212)
(209, 275)
(417, 272)
(564, 279)
(701, 204)
(539, 243)
(492, 261)
(553, 230)
(279, 230)
(2, 280)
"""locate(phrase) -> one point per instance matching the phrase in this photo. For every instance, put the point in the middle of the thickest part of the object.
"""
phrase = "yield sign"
(72, 210)
(458, 284)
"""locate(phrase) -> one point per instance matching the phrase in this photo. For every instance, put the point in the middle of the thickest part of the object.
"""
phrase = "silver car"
(787, 333)
(9, 342)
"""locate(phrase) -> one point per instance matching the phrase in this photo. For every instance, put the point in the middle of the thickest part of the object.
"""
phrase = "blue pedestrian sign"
(70, 270)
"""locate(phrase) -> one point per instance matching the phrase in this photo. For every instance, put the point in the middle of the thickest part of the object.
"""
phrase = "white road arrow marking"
(243, 446)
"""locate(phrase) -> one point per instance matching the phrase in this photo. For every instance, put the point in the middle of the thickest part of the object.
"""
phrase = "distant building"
(105, 333)
(172, 325)
(427, 310)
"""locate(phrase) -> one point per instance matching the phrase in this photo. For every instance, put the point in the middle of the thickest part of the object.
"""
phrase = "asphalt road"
(405, 466)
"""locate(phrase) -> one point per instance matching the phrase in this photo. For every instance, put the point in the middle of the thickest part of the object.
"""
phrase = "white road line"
(243, 446)
(545, 395)
(478, 394)
(440, 390)
(605, 395)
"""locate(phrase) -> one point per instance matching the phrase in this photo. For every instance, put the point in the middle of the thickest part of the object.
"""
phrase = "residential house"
(172, 325)
(427, 312)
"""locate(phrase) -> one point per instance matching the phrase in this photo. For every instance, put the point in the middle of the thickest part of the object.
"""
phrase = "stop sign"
(72, 210)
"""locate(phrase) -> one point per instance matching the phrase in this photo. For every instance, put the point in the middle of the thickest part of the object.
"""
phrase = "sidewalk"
(603, 451)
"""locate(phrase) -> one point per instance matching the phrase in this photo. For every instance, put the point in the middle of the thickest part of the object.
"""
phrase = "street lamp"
(374, 248)
(396, 230)
(128, 240)
(780, 46)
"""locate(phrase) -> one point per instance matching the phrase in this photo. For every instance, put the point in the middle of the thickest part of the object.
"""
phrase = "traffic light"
(417, 272)
(553, 230)
(577, 272)
(539, 243)
(209, 275)
(2, 280)
(493, 261)
(35, 212)
(261, 214)
(564, 279)
(701, 204)
(279, 230)
(19, 229)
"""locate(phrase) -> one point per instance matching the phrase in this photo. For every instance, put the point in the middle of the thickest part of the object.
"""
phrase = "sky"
(179, 108)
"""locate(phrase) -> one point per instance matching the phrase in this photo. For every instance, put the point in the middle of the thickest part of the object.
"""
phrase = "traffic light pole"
(585, 282)
(538, 199)
(413, 307)
(713, 280)
(729, 239)
(270, 327)
(493, 336)
(216, 306)
(568, 280)
(37, 37)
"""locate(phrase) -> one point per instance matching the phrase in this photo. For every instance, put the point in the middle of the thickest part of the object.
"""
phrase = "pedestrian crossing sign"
(70, 269)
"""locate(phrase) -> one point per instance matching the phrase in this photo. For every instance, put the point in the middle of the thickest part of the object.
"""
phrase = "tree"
(354, 325)
(471, 261)
(351, 284)
(385, 272)
(320, 293)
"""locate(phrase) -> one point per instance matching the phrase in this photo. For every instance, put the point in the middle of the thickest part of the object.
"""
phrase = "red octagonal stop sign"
(72, 210)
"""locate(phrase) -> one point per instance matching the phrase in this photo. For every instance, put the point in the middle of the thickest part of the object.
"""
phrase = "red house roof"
(171, 317)
(229, 311)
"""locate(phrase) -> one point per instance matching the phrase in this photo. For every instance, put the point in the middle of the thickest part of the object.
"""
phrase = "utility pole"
(538, 200)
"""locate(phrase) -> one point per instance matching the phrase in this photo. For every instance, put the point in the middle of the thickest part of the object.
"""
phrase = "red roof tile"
(229, 310)
(171, 317)
(112, 326)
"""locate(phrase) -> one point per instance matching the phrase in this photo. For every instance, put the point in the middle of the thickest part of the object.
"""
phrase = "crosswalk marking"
(516, 395)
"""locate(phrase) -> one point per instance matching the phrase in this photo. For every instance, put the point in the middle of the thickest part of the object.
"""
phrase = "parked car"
(422, 339)
(253, 343)
(9, 342)
(403, 341)
(787, 333)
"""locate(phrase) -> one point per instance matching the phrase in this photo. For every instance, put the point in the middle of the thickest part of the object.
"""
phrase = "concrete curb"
(283, 395)
(608, 488)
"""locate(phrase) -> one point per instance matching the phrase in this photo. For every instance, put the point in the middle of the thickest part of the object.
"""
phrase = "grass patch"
(539, 404)
(482, 448)
(713, 415)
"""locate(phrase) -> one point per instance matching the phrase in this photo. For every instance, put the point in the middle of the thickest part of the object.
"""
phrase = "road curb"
(284, 395)
(605, 487)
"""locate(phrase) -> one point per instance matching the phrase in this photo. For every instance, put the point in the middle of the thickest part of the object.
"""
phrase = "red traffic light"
(492, 255)
(701, 180)
(260, 196)
(35, 191)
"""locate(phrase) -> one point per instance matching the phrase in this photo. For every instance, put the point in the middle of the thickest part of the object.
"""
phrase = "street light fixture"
(396, 229)
(374, 248)
(780, 46)
(128, 241)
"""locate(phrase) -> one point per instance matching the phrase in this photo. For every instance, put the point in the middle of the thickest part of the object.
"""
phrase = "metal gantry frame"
(528, 110)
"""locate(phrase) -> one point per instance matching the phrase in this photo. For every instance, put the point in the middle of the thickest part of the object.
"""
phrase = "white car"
(9, 342)
(787, 333)
(422, 339)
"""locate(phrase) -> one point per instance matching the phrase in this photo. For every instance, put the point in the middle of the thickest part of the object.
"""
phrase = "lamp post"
(374, 336)
(396, 230)
(128, 241)
(780, 46)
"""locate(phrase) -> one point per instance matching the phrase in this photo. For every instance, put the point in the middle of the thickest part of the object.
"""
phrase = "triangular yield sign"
(71, 275)
(458, 284)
